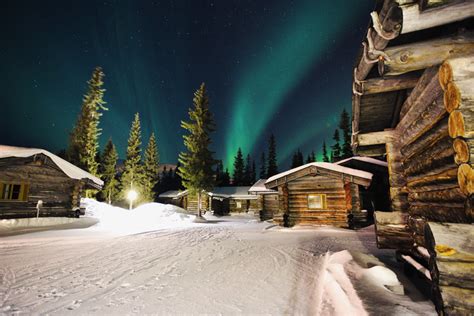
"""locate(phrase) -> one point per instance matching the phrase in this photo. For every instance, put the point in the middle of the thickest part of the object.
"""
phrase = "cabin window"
(14, 191)
(316, 201)
(238, 204)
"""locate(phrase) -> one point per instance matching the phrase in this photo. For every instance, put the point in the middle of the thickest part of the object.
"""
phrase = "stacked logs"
(456, 77)
(452, 266)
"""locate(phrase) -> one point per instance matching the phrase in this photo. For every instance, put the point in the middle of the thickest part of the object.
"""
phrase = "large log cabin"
(267, 199)
(29, 175)
(319, 193)
(413, 102)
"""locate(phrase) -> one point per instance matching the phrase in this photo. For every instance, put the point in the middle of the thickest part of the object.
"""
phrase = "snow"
(364, 159)
(260, 188)
(146, 217)
(324, 165)
(239, 192)
(169, 265)
(69, 169)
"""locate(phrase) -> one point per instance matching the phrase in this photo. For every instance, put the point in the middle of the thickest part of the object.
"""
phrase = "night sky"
(270, 66)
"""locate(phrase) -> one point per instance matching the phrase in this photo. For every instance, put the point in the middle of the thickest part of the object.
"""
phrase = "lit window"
(239, 204)
(316, 201)
(13, 191)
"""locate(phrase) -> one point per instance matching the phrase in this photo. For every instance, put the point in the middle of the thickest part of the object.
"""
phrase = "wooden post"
(398, 195)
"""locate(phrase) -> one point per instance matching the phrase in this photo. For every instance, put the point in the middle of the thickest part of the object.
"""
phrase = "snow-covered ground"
(157, 260)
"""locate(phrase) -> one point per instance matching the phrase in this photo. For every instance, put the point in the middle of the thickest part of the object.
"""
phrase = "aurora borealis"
(281, 67)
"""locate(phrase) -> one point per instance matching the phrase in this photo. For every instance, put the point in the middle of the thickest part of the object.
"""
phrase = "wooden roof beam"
(381, 85)
(375, 138)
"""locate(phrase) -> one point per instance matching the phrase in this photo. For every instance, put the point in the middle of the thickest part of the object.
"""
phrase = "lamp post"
(132, 196)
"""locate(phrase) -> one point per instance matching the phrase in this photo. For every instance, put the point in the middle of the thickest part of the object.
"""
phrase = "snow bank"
(6, 224)
(144, 218)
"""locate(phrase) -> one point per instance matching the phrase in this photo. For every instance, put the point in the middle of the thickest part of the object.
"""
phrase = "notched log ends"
(466, 179)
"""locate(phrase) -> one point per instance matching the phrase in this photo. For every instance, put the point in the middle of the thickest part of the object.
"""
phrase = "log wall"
(46, 182)
(269, 206)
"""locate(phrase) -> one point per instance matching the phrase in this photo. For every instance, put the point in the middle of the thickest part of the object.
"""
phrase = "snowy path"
(221, 268)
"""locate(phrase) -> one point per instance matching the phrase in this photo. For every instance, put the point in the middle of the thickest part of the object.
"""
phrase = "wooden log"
(427, 119)
(453, 212)
(453, 195)
(415, 20)
(380, 85)
(431, 158)
(464, 151)
(457, 301)
(459, 95)
(446, 174)
(392, 230)
(450, 242)
(456, 69)
(375, 138)
(465, 176)
(397, 178)
(461, 124)
(430, 75)
(428, 139)
(420, 55)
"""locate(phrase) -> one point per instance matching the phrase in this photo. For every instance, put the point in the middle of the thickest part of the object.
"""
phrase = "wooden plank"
(375, 138)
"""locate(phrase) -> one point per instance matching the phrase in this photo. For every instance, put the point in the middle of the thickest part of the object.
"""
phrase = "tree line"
(197, 170)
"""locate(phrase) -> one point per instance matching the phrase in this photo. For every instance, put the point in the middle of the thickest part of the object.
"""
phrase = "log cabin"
(413, 103)
(185, 200)
(174, 197)
(233, 200)
(376, 196)
(267, 199)
(319, 193)
(30, 175)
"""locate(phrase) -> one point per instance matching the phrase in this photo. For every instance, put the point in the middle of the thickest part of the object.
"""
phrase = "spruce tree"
(225, 178)
(109, 173)
(253, 174)
(219, 173)
(133, 174)
(197, 163)
(325, 152)
(336, 148)
(84, 139)
(308, 159)
(345, 126)
(248, 170)
(272, 168)
(151, 175)
(238, 177)
(263, 166)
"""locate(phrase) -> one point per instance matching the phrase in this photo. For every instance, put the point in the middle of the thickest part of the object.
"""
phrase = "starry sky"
(278, 66)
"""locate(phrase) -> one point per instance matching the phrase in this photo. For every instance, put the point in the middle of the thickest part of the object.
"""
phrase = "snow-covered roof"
(364, 159)
(68, 168)
(260, 188)
(323, 165)
(174, 194)
(232, 192)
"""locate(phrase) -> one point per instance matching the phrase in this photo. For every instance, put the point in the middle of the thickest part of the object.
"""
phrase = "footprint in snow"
(75, 304)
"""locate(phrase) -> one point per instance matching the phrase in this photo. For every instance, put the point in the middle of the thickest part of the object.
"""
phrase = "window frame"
(323, 201)
(23, 195)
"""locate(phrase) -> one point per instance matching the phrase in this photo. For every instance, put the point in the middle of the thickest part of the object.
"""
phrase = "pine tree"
(225, 178)
(133, 175)
(263, 166)
(109, 173)
(197, 163)
(248, 170)
(151, 175)
(238, 176)
(325, 152)
(219, 173)
(272, 168)
(308, 159)
(344, 125)
(84, 138)
(336, 148)
(313, 156)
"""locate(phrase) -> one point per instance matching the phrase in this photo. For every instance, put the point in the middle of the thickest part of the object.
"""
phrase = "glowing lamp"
(132, 196)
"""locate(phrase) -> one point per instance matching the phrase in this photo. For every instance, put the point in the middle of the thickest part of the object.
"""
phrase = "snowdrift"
(144, 218)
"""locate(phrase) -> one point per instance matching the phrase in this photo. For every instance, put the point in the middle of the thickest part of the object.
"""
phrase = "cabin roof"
(323, 168)
(364, 159)
(240, 192)
(68, 168)
(260, 188)
(173, 194)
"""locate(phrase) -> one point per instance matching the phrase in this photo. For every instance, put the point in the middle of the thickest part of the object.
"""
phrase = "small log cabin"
(185, 200)
(413, 102)
(319, 193)
(28, 175)
(377, 195)
(267, 199)
(233, 200)
(173, 197)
